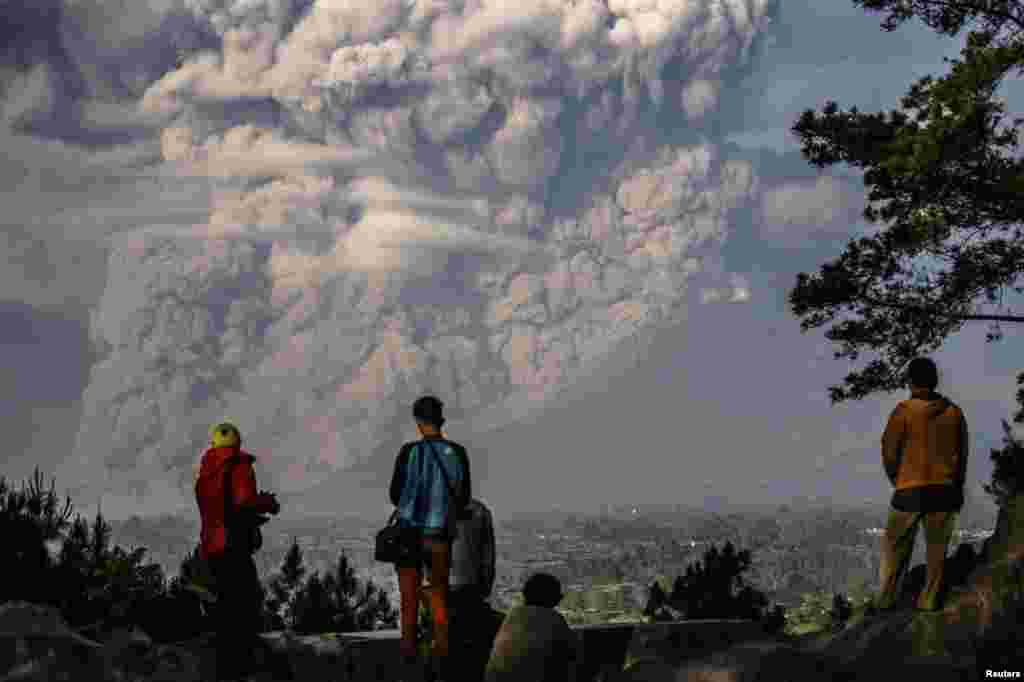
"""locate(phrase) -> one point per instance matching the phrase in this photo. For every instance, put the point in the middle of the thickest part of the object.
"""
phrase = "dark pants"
(238, 614)
(474, 625)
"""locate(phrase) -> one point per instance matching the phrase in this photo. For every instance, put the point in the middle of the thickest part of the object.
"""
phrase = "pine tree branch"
(932, 311)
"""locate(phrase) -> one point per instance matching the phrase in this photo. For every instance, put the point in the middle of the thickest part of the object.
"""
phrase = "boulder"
(997, 579)
(674, 643)
(132, 651)
(37, 644)
(755, 661)
(978, 624)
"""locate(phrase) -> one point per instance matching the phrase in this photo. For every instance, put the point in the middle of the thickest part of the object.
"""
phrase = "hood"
(934, 403)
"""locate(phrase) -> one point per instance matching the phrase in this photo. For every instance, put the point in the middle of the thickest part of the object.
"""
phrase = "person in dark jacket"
(473, 621)
(431, 488)
(924, 454)
(230, 510)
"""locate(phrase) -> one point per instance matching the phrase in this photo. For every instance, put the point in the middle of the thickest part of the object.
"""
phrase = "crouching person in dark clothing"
(231, 510)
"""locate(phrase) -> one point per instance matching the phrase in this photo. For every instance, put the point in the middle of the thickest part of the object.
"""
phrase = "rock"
(132, 651)
(675, 643)
(38, 645)
(760, 660)
(25, 619)
(960, 565)
(979, 623)
(41, 646)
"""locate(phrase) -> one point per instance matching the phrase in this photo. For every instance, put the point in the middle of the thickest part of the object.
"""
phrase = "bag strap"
(444, 472)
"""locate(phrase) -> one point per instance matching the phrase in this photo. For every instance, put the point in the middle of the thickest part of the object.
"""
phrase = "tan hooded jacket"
(925, 442)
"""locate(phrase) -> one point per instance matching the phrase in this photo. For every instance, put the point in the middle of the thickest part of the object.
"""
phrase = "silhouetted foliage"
(284, 590)
(716, 588)
(943, 175)
(30, 518)
(341, 602)
(656, 602)
(1007, 469)
(999, 646)
(841, 611)
(50, 558)
(775, 620)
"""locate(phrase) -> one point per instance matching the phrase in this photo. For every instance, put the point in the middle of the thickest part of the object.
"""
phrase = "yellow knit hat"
(225, 435)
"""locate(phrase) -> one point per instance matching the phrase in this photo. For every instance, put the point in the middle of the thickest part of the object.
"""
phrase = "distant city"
(606, 562)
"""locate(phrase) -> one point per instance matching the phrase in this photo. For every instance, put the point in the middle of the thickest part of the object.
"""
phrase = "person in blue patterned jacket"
(431, 488)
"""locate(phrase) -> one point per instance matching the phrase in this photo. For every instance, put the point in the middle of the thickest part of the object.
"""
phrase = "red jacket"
(210, 495)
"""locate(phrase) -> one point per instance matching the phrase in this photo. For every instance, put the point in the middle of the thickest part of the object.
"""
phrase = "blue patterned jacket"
(418, 488)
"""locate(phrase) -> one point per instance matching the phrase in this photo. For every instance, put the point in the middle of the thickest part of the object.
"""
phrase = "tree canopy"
(941, 173)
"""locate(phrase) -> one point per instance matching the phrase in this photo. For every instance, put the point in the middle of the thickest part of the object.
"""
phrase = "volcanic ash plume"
(482, 200)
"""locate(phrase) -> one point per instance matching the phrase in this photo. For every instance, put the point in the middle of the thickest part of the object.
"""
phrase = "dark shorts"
(421, 557)
(928, 498)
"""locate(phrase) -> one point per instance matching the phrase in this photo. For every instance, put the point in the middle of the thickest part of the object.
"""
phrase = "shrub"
(999, 648)
(95, 586)
(840, 612)
(715, 588)
(1008, 468)
(336, 602)
(30, 519)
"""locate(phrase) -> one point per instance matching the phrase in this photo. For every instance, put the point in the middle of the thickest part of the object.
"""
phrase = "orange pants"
(437, 554)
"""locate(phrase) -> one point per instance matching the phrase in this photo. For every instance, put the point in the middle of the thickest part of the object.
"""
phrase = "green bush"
(812, 615)
(1008, 468)
(96, 587)
(714, 588)
(336, 602)
(341, 602)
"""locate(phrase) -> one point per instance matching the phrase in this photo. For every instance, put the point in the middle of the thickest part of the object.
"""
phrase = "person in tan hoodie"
(924, 453)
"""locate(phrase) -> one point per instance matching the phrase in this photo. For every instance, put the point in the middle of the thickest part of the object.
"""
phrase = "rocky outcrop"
(676, 643)
(38, 645)
(365, 656)
(956, 639)
(750, 661)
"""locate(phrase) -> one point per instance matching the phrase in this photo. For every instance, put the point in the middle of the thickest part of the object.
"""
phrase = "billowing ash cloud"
(477, 199)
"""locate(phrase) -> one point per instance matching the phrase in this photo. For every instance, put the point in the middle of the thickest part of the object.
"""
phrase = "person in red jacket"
(231, 511)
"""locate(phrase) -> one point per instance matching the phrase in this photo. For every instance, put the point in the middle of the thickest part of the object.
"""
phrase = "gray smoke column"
(477, 199)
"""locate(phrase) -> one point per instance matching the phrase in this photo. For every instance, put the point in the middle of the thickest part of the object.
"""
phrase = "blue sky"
(727, 403)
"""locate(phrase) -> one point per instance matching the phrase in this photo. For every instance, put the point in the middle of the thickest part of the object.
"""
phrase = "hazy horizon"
(576, 223)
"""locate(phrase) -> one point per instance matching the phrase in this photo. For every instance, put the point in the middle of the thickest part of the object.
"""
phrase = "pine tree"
(945, 178)
(313, 608)
(286, 587)
(99, 544)
(715, 587)
(656, 600)
(359, 606)
(29, 519)
(1008, 468)
(840, 612)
